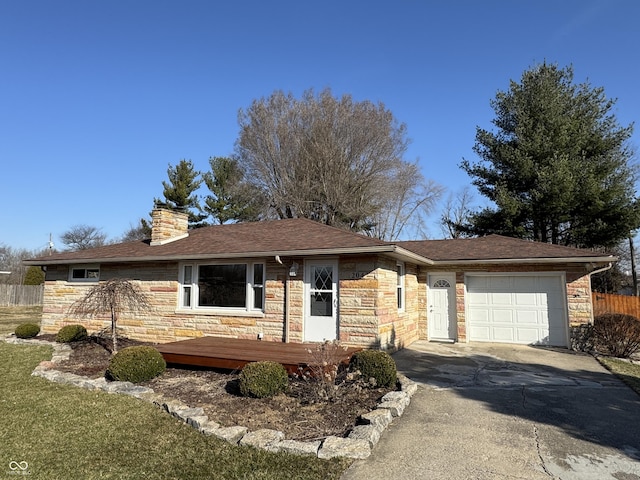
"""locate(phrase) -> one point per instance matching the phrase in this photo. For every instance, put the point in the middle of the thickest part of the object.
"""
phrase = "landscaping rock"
(116, 387)
(186, 413)
(262, 438)
(395, 402)
(344, 447)
(198, 421)
(209, 426)
(136, 391)
(396, 407)
(230, 434)
(172, 405)
(366, 432)
(78, 381)
(380, 419)
(396, 396)
(407, 385)
(295, 447)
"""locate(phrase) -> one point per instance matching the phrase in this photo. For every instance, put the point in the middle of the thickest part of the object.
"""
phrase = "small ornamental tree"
(113, 297)
(34, 276)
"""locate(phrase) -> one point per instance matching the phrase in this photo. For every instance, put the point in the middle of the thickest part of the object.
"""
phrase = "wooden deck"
(233, 354)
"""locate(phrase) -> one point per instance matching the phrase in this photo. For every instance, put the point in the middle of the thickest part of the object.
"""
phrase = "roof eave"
(529, 260)
(388, 249)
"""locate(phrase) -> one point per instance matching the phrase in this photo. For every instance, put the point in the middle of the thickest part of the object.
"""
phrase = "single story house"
(296, 280)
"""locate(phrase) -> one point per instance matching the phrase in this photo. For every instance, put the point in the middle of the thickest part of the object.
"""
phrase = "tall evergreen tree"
(559, 167)
(179, 191)
(232, 198)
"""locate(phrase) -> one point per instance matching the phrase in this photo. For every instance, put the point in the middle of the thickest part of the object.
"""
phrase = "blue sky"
(97, 98)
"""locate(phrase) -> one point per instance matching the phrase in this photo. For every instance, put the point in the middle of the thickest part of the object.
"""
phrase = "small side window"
(400, 285)
(258, 286)
(84, 273)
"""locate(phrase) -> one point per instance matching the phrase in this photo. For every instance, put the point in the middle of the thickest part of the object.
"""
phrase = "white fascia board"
(529, 260)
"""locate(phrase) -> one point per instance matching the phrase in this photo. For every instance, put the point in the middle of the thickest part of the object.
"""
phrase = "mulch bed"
(301, 414)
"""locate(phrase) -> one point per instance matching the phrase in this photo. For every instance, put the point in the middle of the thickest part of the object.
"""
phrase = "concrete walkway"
(490, 411)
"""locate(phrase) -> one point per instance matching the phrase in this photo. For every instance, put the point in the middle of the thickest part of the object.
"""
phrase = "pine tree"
(558, 168)
(231, 199)
(179, 191)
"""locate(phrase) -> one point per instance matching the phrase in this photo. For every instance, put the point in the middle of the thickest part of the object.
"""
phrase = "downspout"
(600, 270)
(286, 302)
(292, 272)
(603, 269)
(286, 308)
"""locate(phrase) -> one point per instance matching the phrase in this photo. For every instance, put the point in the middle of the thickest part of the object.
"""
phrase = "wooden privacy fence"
(611, 303)
(21, 294)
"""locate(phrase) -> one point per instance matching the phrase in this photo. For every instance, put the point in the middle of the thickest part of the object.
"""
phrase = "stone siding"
(367, 310)
(369, 314)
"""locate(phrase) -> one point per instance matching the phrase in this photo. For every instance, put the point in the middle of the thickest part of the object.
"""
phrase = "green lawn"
(628, 372)
(64, 432)
(11, 317)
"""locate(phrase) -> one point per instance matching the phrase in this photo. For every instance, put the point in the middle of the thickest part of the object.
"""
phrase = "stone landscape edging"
(359, 444)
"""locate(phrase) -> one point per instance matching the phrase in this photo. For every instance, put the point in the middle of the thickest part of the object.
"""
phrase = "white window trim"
(400, 290)
(247, 310)
(85, 267)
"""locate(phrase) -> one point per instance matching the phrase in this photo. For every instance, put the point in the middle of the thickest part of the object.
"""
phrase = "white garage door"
(517, 309)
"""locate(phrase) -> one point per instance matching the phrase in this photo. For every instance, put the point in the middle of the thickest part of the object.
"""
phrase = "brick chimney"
(168, 226)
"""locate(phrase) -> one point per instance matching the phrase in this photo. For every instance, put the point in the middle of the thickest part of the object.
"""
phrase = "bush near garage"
(616, 334)
(376, 367)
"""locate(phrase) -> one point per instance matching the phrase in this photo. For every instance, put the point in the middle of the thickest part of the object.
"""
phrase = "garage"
(525, 309)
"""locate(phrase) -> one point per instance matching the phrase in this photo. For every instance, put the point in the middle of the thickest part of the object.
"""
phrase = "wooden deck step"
(233, 353)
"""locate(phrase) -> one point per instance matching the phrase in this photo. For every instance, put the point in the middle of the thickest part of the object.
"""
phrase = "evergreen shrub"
(71, 333)
(27, 330)
(376, 365)
(136, 364)
(263, 379)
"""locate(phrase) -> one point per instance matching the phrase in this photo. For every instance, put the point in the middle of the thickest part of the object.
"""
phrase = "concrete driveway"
(491, 411)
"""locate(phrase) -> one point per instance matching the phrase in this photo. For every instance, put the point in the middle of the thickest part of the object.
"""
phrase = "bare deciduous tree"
(82, 237)
(456, 214)
(332, 160)
(407, 200)
(141, 231)
(112, 297)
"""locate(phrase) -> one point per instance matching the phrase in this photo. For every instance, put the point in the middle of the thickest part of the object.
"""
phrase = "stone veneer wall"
(358, 287)
(578, 288)
(165, 323)
(368, 313)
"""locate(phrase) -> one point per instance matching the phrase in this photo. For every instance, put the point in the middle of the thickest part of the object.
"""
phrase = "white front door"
(321, 301)
(441, 316)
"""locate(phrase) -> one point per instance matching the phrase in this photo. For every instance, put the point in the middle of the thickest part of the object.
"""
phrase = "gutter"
(529, 260)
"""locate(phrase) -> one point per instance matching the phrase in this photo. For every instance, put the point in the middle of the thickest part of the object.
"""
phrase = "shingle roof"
(300, 237)
(277, 237)
(496, 247)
